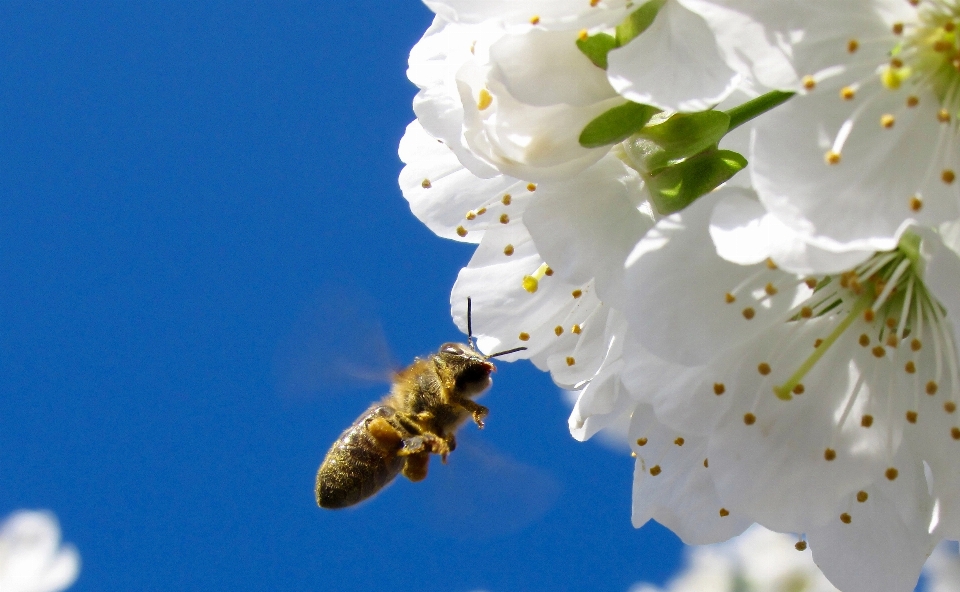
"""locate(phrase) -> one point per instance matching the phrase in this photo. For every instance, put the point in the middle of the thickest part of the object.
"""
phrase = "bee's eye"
(451, 348)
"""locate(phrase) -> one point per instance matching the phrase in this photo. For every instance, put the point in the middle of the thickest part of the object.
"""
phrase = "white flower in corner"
(873, 137)
(828, 401)
(757, 561)
(31, 556)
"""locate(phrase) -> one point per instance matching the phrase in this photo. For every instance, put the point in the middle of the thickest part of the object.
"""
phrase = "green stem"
(783, 391)
(741, 114)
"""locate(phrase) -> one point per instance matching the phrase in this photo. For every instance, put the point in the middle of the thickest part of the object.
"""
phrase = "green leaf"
(616, 125)
(638, 21)
(677, 186)
(680, 136)
(596, 47)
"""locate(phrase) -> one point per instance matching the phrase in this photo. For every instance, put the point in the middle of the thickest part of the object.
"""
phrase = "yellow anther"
(576, 329)
(678, 441)
(749, 313)
(943, 116)
(829, 454)
(724, 512)
(426, 184)
(864, 340)
(749, 418)
(866, 421)
(506, 199)
(845, 518)
(806, 312)
(641, 441)
(799, 389)
(949, 406)
(532, 282)
(913, 101)
(508, 250)
(878, 351)
(831, 157)
(948, 176)
(576, 293)
(471, 215)
(461, 231)
(931, 388)
(916, 204)
(892, 474)
(719, 388)
(524, 337)
(886, 120)
(534, 20)
(504, 219)
(897, 28)
(571, 361)
(583, 35)
(808, 82)
(763, 368)
(770, 289)
(729, 298)
(910, 367)
(847, 93)
(654, 470)
(801, 546)
(853, 45)
(558, 330)
(817, 343)
(955, 433)
(531, 187)
(484, 100)
(912, 416)
(862, 496)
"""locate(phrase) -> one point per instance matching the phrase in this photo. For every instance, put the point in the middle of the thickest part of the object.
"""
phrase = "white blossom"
(32, 558)
(759, 560)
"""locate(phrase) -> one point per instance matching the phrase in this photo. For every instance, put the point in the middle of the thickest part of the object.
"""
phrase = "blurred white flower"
(943, 569)
(759, 560)
(32, 558)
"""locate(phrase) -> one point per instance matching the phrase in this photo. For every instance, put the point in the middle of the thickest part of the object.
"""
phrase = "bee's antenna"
(505, 352)
(470, 323)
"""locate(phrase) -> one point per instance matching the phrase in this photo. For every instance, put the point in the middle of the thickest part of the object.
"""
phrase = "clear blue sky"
(178, 181)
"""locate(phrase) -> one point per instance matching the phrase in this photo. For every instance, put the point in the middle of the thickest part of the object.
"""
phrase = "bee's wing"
(336, 342)
(484, 493)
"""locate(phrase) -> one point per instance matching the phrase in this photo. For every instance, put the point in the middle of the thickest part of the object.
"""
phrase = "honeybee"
(427, 403)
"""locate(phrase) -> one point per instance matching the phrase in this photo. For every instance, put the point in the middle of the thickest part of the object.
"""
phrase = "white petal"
(886, 542)
(679, 283)
(863, 201)
(586, 226)
(441, 191)
(674, 64)
(681, 495)
(543, 68)
(31, 557)
(552, 14)
(745, 233)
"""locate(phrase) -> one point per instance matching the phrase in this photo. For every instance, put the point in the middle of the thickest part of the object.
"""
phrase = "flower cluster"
(733, 226)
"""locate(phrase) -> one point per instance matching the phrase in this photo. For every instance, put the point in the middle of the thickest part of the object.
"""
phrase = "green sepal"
(638, 21)
(616, 125)
(675, 187)
(680, 136)
(596, 47)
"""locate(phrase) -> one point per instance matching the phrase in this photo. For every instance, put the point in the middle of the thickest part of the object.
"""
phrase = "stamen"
(783, 391)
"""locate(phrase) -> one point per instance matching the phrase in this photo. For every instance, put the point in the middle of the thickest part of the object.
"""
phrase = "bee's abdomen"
(358, 465)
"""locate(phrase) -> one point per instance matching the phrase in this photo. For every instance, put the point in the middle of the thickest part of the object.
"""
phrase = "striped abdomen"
(358, 465)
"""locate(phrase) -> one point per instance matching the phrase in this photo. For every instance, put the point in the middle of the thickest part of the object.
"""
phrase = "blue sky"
(181, 185)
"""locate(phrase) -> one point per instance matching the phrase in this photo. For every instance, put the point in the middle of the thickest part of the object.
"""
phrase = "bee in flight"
(427, 403)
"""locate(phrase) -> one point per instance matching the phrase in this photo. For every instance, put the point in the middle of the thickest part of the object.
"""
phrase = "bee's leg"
(451, 442)
(425, 443)
(478, 411)
(415, 467)
(385, 433)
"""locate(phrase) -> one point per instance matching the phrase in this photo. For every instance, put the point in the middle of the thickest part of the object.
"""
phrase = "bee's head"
(470, 368)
